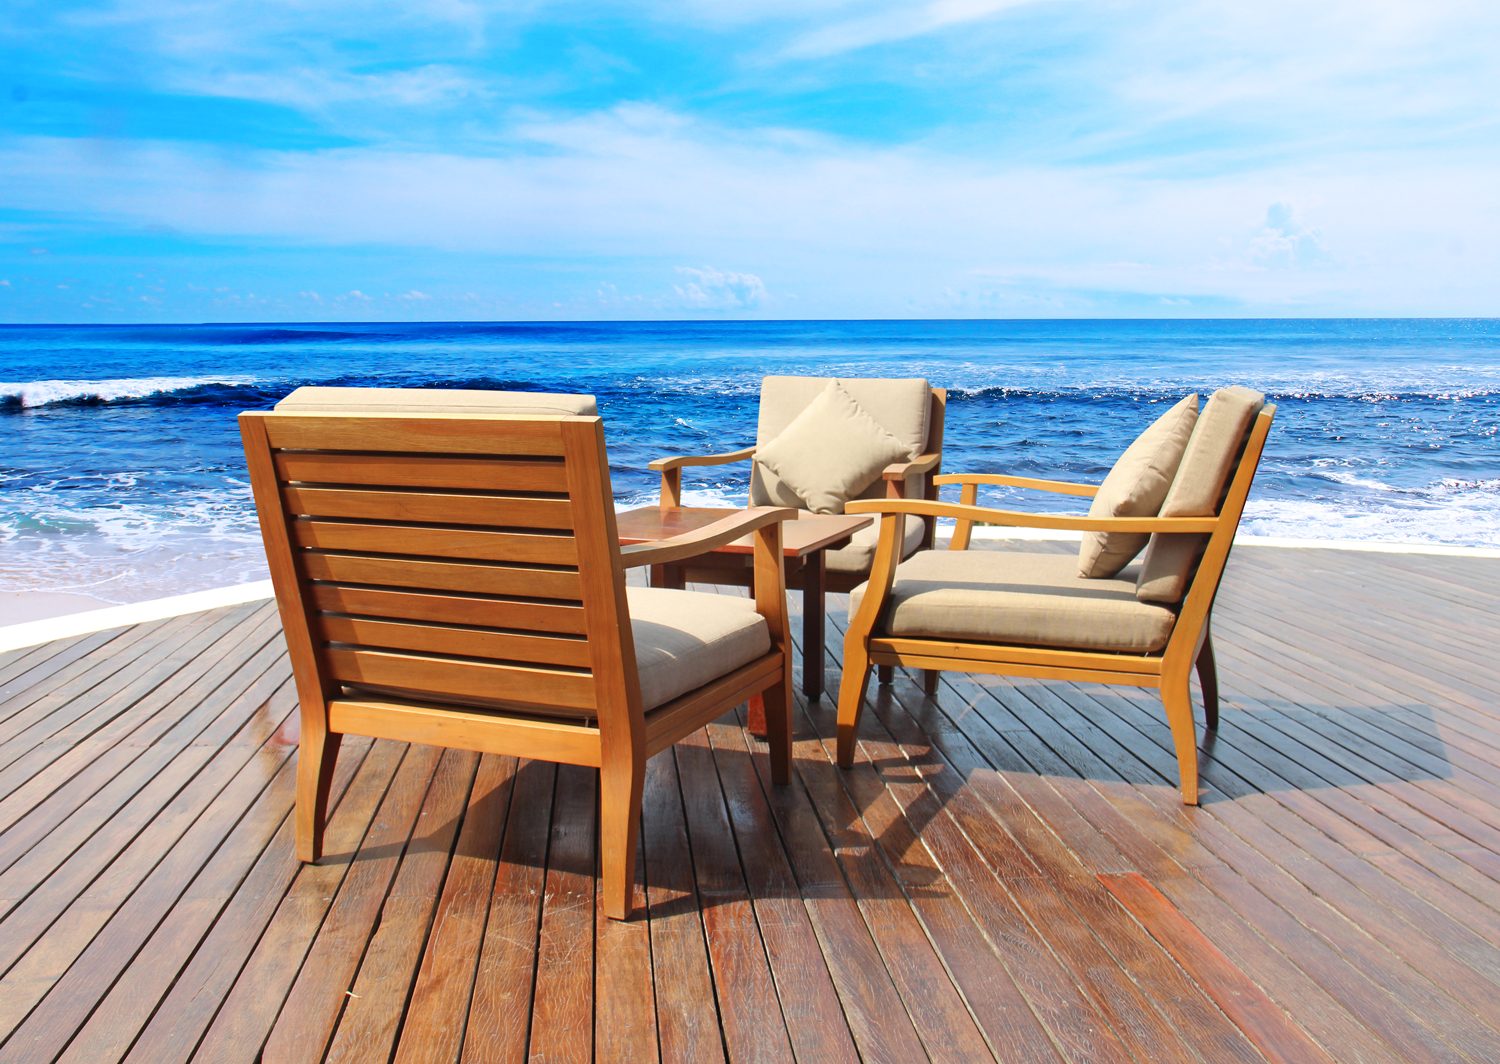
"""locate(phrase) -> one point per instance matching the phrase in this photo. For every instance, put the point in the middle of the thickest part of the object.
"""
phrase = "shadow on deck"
(1006, 873)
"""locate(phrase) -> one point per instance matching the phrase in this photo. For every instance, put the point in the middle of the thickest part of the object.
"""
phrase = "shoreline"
(68, 615)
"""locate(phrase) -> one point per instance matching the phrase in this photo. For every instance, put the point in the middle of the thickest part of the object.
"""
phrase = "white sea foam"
(45, 393)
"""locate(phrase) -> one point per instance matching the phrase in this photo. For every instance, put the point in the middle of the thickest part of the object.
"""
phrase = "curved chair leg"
(1208, 680)
(1178, 701)
(620, 790)
(852, 699)
(886, 673)
(317, 753)
(930, 678)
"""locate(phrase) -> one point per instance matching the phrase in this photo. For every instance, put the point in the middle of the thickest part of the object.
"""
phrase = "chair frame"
(619, 736)
(723, 569)
(1168, 670)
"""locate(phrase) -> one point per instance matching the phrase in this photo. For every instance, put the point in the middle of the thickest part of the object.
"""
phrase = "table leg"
(667, 576)
(812, 625)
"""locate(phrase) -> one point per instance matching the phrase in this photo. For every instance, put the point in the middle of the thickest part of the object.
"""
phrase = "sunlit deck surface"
(1007, 872)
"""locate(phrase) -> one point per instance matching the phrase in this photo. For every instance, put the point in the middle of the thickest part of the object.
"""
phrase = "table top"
(801, 537)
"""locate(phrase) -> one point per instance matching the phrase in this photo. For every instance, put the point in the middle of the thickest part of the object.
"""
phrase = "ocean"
(121, 474)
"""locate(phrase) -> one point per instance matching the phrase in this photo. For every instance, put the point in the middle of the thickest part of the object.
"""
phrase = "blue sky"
(294, 160)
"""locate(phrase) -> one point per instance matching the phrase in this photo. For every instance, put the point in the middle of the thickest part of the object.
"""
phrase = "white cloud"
(895, 23)
(1284, 242)
(712, 289)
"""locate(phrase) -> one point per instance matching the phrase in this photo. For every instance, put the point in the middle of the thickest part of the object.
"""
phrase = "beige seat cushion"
(859, 555)
(1198, 490)
(1136, 487)
(685, 639)
(900, 406)
(831, 451)
(1009, 597)
(318, 400)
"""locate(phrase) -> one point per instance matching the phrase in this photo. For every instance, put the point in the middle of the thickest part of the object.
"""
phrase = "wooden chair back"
(448, 558)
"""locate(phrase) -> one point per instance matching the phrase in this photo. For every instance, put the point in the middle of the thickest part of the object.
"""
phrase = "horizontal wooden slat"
(544, 740)
(448, 509)
(1080, 659)
(436, 639)
(449, 609)
(420, 471)
(1041, 672)
(438, 542)
(433, 433)
(442, 576)
(439, 679)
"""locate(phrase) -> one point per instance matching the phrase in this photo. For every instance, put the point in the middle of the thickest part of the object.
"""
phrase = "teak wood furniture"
(804, 543)
(458, 581)
(1169, 669)
(782, 399)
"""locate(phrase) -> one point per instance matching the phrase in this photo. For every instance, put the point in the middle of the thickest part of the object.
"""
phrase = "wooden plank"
(124, 914)
(71, 814)
(562, 1011)
(424, 471)
(810, 1007)
(443, 576)
(432, 434)
(373, 1012)
(305, 1023)
(442, 639)
(873, 1007)
(50, 708)
(680, 970)
(184, 1014)
(1273, 1032)
(120, 1016)
(114, 706)
(249, 1009)
(33, 666)
(449, 609)
(494, 511)
(437, 678)
(749, 1010)
(624, 1001)
(469, 543)
(432, 1031)
(1316, 1009)
(500, 1009)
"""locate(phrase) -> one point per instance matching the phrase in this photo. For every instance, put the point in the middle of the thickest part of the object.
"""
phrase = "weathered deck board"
(1007, 871)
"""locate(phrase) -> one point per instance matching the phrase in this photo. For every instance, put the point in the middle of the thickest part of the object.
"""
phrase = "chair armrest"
(925, 508)
(920, 464)
(1059, 486)
(705, 539)
(661, 465)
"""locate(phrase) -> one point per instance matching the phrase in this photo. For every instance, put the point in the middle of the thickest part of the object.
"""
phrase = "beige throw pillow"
(1197, 491)
(831, 451)
(1136, 487)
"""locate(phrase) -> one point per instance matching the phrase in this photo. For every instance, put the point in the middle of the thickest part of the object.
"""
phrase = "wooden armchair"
(1016, 614)
(911, 410)
(456, 580)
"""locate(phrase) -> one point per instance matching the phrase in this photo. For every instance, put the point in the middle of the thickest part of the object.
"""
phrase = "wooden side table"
(804, 542)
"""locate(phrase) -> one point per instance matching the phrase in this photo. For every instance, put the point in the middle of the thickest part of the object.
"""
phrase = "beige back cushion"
(1197, 491)
(317, 400)
(1136, 487)
(901, 407)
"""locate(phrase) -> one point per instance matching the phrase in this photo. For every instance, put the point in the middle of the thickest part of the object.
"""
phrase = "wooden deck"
(1007, 872)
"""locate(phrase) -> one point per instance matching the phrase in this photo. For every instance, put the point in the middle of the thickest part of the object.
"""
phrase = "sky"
(336, 160)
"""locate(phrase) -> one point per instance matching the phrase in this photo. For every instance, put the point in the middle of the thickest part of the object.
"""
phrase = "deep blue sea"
(121, 474)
